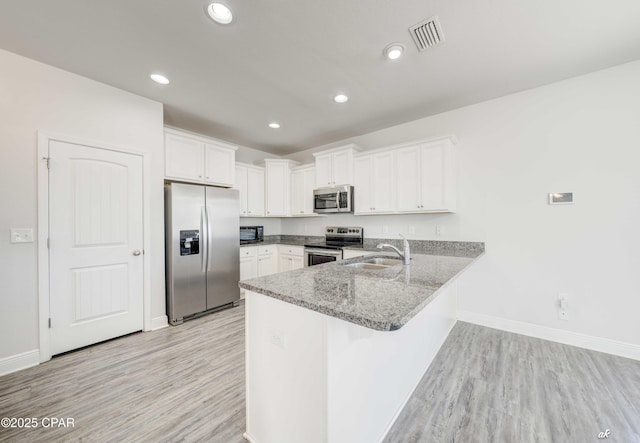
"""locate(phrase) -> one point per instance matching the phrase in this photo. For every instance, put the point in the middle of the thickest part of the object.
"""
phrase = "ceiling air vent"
(427, 34)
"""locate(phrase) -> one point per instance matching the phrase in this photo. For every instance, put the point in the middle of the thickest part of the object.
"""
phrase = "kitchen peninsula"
(334, 351)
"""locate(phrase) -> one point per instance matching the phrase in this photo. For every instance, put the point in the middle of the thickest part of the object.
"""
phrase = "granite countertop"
(383, 300)
(293, 240)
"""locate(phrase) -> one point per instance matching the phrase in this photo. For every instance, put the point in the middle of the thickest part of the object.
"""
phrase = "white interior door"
(96, 241)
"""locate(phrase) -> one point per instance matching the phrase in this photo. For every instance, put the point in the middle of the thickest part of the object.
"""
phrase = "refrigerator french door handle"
(204, 238)
(209, 238)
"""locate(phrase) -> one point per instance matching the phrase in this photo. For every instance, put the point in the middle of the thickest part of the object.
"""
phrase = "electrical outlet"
(412, 230)
(438, 231)
(22, 235)
(277, 338)
(563, 306)
(385, 229)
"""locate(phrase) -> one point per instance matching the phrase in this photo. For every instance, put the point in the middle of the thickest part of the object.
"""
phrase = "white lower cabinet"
(267, 260)
(290, 257)
(248, 262)
(258, 261)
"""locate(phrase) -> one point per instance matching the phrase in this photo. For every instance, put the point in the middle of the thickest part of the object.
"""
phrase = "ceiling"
(283, 60)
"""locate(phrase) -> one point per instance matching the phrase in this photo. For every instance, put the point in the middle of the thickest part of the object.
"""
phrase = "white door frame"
(43, 232)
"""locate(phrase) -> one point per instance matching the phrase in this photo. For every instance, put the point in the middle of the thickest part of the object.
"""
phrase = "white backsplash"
(412, 226)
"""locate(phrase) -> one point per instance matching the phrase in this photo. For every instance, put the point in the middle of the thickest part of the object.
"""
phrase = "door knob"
(136, 253)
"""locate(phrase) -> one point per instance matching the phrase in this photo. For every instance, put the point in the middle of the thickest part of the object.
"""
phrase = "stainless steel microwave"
(333, 199)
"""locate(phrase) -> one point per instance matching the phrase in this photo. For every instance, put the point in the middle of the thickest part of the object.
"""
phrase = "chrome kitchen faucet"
(406, 257)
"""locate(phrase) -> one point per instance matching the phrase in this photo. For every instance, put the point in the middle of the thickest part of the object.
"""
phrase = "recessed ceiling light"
(274, 125)
(340, 98)
(220, 13)
(159, 78)
(394, 51)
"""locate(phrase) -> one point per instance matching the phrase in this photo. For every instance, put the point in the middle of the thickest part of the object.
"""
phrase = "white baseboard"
(591, 342)
(159, 322)
(20, 361)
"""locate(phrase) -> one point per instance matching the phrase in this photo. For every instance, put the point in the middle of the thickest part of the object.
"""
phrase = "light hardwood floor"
(183, 383)
(186, 383)
(487, 385)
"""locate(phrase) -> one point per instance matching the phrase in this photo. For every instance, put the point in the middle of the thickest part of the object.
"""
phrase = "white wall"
(252, 156)
(36, 97)
(581, 135)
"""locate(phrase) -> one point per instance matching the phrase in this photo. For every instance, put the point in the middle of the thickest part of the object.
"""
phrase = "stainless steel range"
(336, 238)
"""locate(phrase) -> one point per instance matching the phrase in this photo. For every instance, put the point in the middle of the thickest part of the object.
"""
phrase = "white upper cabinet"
(250, 183)
(197, 159)
(278, 187)
(324, 173)
(255, 192)
(374, 183)
(219, 165)
(335, 167)
(342, 167)
(183, 158)
(425, 177)
(303, 181)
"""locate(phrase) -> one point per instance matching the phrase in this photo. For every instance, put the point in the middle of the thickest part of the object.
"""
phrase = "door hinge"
(49, 322)
(48, 244)
(48, 159)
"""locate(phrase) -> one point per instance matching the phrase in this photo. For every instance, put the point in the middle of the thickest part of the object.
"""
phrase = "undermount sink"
(384, 261)
(363, 265)
(375, 263)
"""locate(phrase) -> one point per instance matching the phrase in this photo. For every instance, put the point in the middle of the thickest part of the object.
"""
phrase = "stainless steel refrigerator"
(202, 249)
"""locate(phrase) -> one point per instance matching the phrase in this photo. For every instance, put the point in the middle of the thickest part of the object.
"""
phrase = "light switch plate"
(21, 235)
(561, 198)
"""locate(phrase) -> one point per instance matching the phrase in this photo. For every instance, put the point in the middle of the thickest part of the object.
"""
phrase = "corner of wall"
(614, 347)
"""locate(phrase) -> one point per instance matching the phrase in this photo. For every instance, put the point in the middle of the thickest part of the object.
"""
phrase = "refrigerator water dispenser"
(190, 242)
